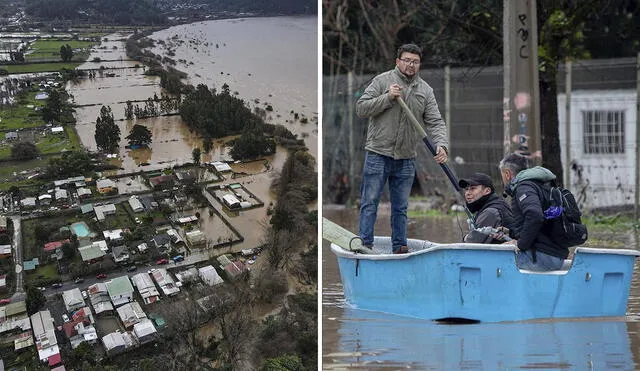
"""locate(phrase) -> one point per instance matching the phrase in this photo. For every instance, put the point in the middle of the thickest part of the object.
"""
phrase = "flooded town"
(153, 243)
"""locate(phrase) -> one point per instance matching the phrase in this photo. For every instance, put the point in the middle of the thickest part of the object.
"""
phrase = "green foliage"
(252, 143)
(283, 363)
(107, 134)
(53, 109)
(69, 164)
(24, 151)
(215, 115)
(66, 53)
(139, 136)
(195, 154)
(35, 300)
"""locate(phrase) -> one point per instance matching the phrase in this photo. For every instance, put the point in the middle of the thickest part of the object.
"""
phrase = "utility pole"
(521, 102)
(447, 101)
(567, 124)
(637, 200)
(352, 150)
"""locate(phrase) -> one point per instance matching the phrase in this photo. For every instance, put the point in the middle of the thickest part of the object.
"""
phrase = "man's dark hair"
(514, 162)
(409, 48)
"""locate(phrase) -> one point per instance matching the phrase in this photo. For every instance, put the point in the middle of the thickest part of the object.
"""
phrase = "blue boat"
(478, 282)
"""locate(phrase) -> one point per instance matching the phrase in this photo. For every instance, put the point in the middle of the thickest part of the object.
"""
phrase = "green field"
(50, 49)
(19, 115)
(39, 67)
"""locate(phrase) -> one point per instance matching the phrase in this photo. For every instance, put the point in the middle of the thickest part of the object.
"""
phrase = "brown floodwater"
(290, 89)
(356, 339)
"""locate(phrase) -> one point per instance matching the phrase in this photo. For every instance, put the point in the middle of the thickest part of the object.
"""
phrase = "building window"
(603, 132)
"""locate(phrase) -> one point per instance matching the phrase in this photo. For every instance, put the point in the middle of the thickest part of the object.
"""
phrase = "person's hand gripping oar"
(432, 149)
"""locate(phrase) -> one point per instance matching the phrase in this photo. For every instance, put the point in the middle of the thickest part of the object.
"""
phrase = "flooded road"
(356, 339)
(261, 70)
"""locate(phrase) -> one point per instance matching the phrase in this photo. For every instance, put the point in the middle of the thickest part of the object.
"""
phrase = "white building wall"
(606, 179)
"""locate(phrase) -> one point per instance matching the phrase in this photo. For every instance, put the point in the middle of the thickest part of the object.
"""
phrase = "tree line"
(115, 12)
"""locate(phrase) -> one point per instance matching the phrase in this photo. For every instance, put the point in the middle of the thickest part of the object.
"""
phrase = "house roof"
(72, 298)
(105, 183)
(119, 286)
(30, 265)
(113, 234)
(155, 181)
(209, 275)
(135, 203)
(117, 251)
(162, 239)
(144, 328)
(90, 252)
(87, 208)
(50, 246)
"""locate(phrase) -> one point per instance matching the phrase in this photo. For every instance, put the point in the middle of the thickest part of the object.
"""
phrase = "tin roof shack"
(144, 331)
(117, 342)
(130, 314)
(80, 330)
(45, 335)
(73, 299)
(165, 282)
(100, 299)
(209, 275)
(146, 288)
(120, 290)
(14, 315)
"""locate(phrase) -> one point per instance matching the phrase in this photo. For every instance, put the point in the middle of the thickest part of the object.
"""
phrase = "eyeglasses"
(411, 62)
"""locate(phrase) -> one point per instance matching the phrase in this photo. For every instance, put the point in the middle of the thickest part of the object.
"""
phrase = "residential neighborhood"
(106, 259)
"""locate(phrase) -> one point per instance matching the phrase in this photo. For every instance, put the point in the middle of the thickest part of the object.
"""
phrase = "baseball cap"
(477, 179)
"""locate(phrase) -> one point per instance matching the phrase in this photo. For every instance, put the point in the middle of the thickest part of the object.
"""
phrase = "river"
(356, 339)
(266, 60)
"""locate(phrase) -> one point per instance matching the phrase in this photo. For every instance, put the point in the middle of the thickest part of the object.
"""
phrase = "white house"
(73, 299)
(130, 314)
(164, 280)
(144, 331)
(209, 275)
(45, 335)
(602, 146)
(135, 204)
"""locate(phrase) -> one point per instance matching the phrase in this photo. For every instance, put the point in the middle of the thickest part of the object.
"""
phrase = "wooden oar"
(343, 238)
(432, 149)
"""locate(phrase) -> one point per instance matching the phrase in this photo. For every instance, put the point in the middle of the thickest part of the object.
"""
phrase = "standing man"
(537, 252)
(489, 209)
(390, 149)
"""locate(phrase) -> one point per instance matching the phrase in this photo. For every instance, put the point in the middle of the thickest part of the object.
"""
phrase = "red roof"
(235, 268)
(51, 246)
(55, 359)
(155, 181)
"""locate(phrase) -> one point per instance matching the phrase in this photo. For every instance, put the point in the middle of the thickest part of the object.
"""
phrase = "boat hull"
(482, 283)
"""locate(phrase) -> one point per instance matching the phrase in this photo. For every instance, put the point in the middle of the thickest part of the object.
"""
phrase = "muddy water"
(271, 60)
(354, 339)
(291, 89)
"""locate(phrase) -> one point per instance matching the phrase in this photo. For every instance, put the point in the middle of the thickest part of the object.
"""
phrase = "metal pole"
(507, 25)
(351, 181)
(447, 100)
(637, 200)
(567, 124)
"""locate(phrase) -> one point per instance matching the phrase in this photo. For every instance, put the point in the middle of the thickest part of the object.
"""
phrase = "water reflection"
(377, 340)
(355, 339)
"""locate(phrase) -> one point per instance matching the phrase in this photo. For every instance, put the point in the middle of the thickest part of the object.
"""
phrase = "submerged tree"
(107, 134)
(139, 136)
(195, 154)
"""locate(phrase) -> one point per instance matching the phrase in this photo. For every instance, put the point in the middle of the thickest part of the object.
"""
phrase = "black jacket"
(493, 211)
(527, 209)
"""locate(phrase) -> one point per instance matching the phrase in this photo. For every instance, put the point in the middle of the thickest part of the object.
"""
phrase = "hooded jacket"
(390, 133)
(525, 190)
(493, 211)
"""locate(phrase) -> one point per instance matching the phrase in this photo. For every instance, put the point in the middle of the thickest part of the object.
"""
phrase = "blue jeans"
(544, 262)
(379, 169)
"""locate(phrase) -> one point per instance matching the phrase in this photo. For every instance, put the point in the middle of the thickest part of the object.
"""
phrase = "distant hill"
(265, 7)
(118, 12)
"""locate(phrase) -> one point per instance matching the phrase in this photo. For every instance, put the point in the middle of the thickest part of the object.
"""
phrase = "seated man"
(489, 209)
(538, 252)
